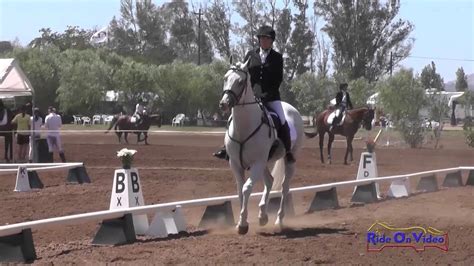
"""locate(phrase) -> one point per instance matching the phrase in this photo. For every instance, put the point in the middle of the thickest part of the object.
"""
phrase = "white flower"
(126, 152)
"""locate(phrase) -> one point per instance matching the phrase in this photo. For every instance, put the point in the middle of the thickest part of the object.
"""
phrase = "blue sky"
(444, 29)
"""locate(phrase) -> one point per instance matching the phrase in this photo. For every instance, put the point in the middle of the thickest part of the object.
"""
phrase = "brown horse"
(348, 129)
(123, 124)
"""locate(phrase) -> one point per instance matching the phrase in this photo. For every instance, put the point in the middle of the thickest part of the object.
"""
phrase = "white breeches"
(54, 142)
(277, 108)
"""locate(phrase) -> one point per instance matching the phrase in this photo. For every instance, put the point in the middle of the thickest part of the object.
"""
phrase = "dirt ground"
(180, 167)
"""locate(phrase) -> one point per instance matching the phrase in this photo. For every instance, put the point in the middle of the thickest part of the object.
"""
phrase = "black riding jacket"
(339, 96)
(269, 75)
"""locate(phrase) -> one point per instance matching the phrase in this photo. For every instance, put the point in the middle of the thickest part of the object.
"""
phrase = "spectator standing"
(22, 121)
(53, 125)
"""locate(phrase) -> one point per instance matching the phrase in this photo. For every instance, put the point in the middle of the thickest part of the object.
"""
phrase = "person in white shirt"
(36, 123)
(53, 124)
(139, 111)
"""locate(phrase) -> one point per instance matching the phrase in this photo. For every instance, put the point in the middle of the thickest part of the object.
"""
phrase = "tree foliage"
(312, 93)
(461, 80)
(363, 34)
(430, 79)
(403, 98)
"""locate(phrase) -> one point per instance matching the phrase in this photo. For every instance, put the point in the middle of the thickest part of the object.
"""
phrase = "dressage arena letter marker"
(126, 193)
(22, 181)
(368, 169)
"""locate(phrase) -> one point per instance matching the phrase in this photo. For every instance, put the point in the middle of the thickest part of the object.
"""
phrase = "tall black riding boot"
(284, 134)
(221, 154)
(63, 157)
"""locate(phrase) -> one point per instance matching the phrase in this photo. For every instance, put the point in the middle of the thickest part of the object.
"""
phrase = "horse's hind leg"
(262, 215)
(348, 150)
(125, 136)
(146, 138)
(289, 171)
(321, 146)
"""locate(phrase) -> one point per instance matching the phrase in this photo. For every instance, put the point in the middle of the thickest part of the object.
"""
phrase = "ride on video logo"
(381, 235)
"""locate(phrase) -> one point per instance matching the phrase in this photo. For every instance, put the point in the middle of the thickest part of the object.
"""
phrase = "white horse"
(248, 142)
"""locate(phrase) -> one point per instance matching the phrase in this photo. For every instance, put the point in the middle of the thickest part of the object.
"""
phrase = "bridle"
(236, 102)
(236, 97)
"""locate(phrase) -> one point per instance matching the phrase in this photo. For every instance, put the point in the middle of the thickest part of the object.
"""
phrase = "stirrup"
(221, 154)
(290, 158)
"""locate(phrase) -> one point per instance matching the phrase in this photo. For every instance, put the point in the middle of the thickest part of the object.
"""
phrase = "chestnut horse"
(349, 128)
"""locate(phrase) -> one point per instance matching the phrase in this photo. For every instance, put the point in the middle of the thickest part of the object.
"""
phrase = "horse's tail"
(278, 173)
(112, 124)
(311, 134)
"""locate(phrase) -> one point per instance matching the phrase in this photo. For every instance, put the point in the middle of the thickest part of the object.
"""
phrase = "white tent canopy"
(13, 81)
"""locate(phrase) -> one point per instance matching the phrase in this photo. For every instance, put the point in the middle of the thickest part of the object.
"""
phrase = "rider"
(266, 75)
(139, 111)
(343, 102)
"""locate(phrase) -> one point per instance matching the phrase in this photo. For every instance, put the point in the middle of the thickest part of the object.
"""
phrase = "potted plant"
(126, 157)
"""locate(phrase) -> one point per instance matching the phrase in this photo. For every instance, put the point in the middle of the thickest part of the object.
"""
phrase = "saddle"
(332, 116)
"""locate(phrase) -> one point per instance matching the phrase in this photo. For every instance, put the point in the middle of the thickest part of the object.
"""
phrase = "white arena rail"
(112, 214)
(4, 169)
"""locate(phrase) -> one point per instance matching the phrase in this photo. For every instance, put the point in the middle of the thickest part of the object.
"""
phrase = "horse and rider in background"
(341, 120)
(139, 124)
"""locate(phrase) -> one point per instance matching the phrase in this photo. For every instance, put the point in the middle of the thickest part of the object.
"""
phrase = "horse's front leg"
(262, 215)
(239, 175)
(330, 141)
(351, 149)
(256, 172)
(348, 149)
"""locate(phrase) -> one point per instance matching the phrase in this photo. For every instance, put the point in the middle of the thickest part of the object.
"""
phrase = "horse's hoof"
(242, 230)
(262, 221)
(279, 223)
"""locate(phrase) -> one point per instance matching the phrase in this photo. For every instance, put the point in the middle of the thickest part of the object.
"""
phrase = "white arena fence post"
(17, 237)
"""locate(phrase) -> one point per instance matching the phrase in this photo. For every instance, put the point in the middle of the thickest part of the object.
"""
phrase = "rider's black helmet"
(343, 86)
(266, 31)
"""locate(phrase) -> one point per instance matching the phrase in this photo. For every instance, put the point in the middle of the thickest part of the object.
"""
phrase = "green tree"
(461, 80)
(42, 68)
(82, 81)
(430, 79)
(361, 90)
(363, 34)
(217, 25)
(402, 97)
(72, 38)
(312, 93)
(135, 81)
(140, 32)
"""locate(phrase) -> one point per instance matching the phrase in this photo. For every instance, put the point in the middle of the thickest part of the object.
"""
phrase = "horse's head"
(367, 118)
(236, 82)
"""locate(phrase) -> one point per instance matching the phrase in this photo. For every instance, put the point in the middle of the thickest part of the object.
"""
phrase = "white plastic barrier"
(112, 214)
